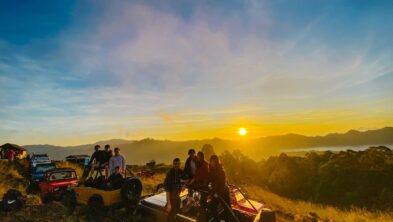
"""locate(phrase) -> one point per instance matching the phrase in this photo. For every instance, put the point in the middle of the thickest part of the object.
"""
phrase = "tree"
(208, 150)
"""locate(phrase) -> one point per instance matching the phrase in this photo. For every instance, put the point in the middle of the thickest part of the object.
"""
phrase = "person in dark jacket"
(173, 187)
(106, 157)
(116, 179)
(191, 165)
(97, 158)
(219, 189)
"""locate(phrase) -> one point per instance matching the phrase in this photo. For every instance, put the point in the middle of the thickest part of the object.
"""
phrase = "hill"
(141, 151)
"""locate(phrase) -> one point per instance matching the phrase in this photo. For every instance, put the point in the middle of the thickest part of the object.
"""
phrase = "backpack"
(12, 200)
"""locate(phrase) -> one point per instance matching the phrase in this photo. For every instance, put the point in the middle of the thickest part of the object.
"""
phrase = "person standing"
(172, 185)
(201, 176)
(190, 165)
(219, 188)
(117, 160)
(11, 156)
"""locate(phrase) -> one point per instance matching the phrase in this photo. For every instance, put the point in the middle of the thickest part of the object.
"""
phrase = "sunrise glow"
(242, 131)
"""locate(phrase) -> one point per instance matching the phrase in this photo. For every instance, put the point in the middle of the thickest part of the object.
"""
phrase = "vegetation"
(297, 210)
(345, 179)
(239, 171)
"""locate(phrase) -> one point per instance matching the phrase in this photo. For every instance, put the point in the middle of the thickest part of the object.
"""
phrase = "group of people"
(112, 162)
(199, 174)
(9, 154)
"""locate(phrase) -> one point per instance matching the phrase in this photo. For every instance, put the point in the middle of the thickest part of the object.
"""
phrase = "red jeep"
(56, 183)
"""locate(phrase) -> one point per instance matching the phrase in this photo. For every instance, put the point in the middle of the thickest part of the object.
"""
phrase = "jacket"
(218, 180)
(202, 174)
(99, 156)
(188, 171)
(172, 183)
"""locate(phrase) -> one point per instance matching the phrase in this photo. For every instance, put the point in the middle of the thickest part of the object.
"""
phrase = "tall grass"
(291, 210)
(10, 177)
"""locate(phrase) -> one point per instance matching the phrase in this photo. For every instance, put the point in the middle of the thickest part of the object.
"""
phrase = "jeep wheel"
(96, 209)
(46, 198)
(69, 201)
(130, 193)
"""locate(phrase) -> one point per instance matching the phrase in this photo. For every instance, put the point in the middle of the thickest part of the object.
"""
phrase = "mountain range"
(141, 151)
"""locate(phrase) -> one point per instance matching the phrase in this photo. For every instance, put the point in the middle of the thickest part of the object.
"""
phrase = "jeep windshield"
(42, 168)
(62, 175)
(41, 158)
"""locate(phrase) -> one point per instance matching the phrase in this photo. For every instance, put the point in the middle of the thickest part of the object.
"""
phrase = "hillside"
(287, 210)
(139, 152)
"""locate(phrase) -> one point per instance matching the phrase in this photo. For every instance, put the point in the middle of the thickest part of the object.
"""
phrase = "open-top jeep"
(241, 209)
(56, 182)
(99, 197)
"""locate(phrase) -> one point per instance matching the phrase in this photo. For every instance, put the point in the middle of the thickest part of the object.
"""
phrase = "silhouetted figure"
(190, 165)
(219, 189)
(173, 187)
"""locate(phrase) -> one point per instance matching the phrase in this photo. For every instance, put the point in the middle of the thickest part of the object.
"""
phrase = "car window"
(41, 158)
(62, 175)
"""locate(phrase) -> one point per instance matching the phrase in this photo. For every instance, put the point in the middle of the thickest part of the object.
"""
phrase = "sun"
(242, 131)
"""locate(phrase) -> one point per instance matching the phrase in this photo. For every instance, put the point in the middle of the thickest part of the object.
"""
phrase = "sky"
(74, 72)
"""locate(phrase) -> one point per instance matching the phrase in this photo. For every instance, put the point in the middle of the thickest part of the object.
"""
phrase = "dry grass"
(287, 210)
(10, 177)
(290, 210)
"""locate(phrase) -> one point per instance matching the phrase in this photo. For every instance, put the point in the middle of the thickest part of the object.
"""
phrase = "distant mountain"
(141, 151)
(352, 137)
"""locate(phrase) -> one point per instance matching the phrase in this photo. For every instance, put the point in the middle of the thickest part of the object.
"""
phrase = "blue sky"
(79, 71)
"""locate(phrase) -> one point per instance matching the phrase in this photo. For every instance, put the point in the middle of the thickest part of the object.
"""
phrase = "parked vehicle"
(38, 172)
(99, 198)
(39, 159)
(146, 173)
(78, 159)
(56, 182)
(242, 209)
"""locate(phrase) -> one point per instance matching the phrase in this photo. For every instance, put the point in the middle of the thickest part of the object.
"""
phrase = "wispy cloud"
(138, 70)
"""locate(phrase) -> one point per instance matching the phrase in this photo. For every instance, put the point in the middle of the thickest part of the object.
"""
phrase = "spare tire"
(131, 191)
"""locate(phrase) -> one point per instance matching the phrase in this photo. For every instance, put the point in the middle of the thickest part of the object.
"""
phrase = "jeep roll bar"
(244, 195)
(224, 204)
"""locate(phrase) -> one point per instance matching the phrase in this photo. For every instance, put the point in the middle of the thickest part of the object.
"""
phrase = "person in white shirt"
(117, 160)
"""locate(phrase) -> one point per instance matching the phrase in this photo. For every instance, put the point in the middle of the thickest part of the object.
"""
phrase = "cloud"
(137, 69)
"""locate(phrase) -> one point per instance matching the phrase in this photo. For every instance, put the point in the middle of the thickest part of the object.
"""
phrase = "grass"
(291, 210)
(11, 177)
(287, 209)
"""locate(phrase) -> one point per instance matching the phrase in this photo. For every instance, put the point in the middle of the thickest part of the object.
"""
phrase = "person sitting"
(97, 158)
(106, 157)
(115, 180)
